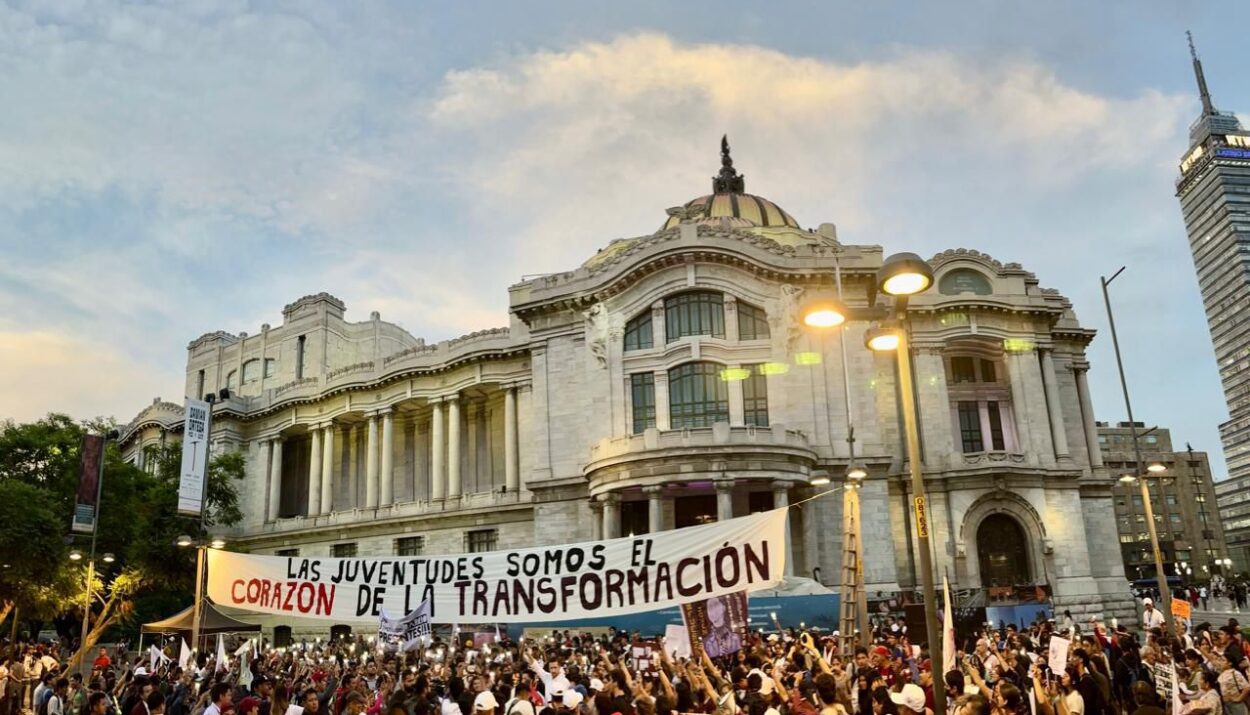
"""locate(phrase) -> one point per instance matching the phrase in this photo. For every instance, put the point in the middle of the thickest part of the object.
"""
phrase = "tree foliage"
(138, 522)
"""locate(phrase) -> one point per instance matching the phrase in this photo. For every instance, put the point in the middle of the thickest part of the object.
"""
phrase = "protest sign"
(407, 632)
(676, 641)
(1181, 609)
(547, 583)
(1058, 657)
(717, 626)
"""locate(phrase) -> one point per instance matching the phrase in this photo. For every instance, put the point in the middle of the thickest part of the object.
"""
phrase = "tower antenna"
(1207, 108)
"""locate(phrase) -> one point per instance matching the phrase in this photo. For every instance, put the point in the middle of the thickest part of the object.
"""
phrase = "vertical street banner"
(194, 458)
(408, 632)
(717, 626)
(90, 477)
(528, 585)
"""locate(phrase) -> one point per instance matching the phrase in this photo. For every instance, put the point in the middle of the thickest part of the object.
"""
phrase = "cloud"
(43, 371)
(604, 135)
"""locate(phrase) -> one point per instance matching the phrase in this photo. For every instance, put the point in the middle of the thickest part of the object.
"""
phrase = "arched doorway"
(1003, 552)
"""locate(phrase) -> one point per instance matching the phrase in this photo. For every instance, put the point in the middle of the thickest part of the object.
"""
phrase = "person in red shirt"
(102, 661)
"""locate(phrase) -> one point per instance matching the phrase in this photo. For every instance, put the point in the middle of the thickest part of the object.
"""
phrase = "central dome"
(729, 200)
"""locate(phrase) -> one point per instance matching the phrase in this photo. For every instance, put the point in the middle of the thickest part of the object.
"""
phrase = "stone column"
(1019, 405)
(511, 454)
(386, 490)
(371, 464)
(737, 401)
(662, 421)
(596, 520)
(314, 474)
(724, 499)
(453, 447)
(655, 508)
(611, 516)
(353, 474)
(1053, 406)
(275, 479)
(781, 500)
(1087, 418)
(811, 532)
(327, 468)
(266, 454)
(438, 479)
(731, 318)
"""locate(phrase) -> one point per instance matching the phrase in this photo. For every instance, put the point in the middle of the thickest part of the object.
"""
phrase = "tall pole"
(86, 612)
(199, 597)
(1165, 594)
(920, 512)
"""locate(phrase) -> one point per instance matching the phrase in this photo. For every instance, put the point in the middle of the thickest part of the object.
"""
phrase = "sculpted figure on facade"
(784, 322)
(597, 333)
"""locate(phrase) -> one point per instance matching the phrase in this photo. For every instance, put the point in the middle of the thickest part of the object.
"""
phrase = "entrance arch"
(1003, 552)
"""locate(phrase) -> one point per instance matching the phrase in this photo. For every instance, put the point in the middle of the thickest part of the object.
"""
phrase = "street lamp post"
(1165, 594)
(902, 275)
(197, 612)
(76, 555)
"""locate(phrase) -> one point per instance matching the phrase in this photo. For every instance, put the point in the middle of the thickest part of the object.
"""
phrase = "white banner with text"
(547, 583)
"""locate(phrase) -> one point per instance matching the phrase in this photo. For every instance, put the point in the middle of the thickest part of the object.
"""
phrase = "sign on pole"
(90, 478)
(922, 518)
(1181, 609)
(194, 458)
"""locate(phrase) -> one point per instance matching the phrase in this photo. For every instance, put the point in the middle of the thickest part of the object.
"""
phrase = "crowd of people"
(996, 671)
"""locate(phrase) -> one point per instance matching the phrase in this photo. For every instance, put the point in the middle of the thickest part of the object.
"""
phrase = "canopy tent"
(212, 621)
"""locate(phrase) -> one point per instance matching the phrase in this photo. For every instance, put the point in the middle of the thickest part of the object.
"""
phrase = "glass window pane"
(642, 394)
(638, 332)
(752, 322)
(755, 397)
(996, 426)
(970, 427)
(695, 313)
(698, 396)
(963, 369)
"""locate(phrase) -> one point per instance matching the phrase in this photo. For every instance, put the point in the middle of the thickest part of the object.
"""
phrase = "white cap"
(911, 697)
(449, 707)
(141, 670)
(1147, 601)
(485, 700)
(596, 684)
(572, 699)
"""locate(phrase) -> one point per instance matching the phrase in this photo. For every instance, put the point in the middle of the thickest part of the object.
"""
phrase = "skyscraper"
(1214, 191)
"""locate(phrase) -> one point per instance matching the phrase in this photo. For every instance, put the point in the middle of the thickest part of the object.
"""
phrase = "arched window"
(964, 280)
(232, 379)
(1002, 551)
(638, 332)
(697, 396)
(694, 313)
(271, 367)
(251, 371)
(752, 322)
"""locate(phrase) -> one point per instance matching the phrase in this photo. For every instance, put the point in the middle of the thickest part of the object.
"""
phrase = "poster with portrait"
(717, 626)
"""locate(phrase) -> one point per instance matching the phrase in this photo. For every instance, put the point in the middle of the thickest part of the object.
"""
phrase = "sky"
(169, 169)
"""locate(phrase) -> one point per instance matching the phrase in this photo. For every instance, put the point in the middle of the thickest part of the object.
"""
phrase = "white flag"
(156, 657)
(247, 645)
(948, 630)
(245, 671)
(221, 652)
(184, 654)
(407, 632)
(1177, 706)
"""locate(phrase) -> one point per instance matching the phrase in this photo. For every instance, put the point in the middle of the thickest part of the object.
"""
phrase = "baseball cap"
(572, 699)
(881, 651)
(910, 697)
(1147, 601)
(249, 704)
(485, 700)
(596, 684)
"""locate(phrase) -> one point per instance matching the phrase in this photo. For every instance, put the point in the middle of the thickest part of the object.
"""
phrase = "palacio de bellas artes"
(671, 380)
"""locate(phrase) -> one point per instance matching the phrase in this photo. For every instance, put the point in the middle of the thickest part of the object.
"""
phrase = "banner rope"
(817, 496)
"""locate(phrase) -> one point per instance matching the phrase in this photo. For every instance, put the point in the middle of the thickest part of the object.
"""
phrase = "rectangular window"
(759, 501)
(638, 332)
(642, 395)
(299, 358)
(752, 322)
(755, 397)
(970, 427)
(1174, 518)
(343, 551)
(697, 396)
(199, 386)
(409, 545)
(1126, 538)
(1171, 499)
(996, 425)
(635, 518)
(987, 371)
(963, 369)
(287, 553)
(479, 540)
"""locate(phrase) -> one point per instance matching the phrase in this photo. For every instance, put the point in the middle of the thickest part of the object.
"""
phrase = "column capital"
(725, 484)
(653, 491)
(610, 498)
(596, 505)
(385, 410)
(782, 484)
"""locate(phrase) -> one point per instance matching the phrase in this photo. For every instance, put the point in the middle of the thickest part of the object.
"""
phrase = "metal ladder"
(852, 593)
